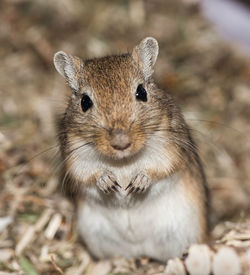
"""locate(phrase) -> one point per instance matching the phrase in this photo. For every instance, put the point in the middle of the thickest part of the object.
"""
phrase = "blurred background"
(204, 62)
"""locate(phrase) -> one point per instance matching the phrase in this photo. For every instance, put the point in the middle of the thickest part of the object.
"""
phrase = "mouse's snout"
(120, 140)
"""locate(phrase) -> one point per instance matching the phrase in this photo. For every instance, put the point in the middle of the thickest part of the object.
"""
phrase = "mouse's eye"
(86, 103)
(141, 93)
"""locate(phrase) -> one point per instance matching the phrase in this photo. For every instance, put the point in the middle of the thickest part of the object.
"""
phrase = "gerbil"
(126, 144)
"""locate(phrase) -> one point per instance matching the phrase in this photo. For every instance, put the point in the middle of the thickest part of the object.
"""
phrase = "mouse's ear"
(69, 67)
(146, 54)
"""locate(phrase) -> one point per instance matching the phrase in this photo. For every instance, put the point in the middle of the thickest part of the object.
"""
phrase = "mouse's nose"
(119, 139)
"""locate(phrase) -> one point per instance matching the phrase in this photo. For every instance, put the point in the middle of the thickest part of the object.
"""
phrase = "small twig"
(55, 265)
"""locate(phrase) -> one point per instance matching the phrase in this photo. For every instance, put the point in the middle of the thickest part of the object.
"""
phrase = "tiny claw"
(109, 189)
(137, 189)
(114, 188)
(129, 186)
(131, 190)
(116, 183)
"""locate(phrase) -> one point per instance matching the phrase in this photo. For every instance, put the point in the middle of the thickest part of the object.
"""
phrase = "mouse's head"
(114, 105)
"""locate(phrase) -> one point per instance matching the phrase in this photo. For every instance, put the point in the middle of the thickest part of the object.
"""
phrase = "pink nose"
(120, 140)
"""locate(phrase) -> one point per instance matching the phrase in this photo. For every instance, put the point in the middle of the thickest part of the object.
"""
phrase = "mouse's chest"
(129, 221)
(157, 226)
(145, 217)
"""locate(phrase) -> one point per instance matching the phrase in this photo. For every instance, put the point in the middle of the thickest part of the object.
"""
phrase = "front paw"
(139, 183)
(107, 183)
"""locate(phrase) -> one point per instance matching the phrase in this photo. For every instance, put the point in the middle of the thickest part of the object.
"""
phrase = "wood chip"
(242, 236)
(53, 226)
(6, 254)
(101, 268)
(175, 267)
(226, 262)
(122, 265)
(44, 255)
(4, 222)
(198, 260)
(82, 267)
(32, 230)
(85, 262)
(55, 265)
(238, 243)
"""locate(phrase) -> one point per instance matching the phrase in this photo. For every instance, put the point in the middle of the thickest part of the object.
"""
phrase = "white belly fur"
(161, 225)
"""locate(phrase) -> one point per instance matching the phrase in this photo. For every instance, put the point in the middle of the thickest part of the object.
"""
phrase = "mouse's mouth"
(119, 156)
(125, 153)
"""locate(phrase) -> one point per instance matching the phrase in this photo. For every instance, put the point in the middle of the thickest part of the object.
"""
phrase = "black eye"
(141, 93)
(86, 103)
